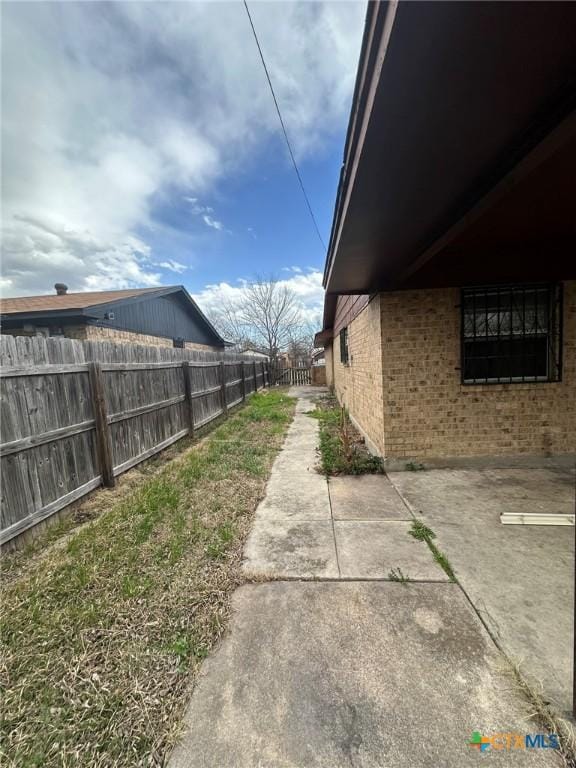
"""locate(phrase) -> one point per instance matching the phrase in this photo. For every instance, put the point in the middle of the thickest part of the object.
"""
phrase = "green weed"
(422, 532)
(395, 574)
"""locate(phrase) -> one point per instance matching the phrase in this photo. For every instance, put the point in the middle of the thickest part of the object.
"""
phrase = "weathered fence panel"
(293, 376)
(77, 414)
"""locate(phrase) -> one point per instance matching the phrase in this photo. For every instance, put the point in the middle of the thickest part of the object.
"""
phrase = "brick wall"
(100, 333)
(358, 385)
(329, 357)
(403, 388)
(429, 413)
(318, 375)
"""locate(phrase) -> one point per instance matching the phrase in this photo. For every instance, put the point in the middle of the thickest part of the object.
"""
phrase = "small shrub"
(342, 450)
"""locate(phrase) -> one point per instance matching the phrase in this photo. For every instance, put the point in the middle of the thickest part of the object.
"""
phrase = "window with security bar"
(511, 334)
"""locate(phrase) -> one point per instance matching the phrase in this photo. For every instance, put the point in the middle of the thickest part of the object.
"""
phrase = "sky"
(141, 147)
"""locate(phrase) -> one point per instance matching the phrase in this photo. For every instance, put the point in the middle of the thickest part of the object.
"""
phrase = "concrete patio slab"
(371, 550)
(519, 577)
(366, 497)
(306, 393)
(369, 675)
(291, 549)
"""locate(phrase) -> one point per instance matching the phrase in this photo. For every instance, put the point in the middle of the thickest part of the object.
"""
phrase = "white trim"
(537, 518)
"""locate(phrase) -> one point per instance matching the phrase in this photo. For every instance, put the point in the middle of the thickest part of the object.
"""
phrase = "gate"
(293, 376)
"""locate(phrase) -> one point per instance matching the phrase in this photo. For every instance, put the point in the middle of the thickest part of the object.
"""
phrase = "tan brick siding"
(429, 413)
(358, 385)
(403, 387)
(318, 375)
(100, 333)
(201, 347)
(329, 357)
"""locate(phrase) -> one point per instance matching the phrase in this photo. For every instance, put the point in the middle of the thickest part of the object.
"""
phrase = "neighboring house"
(318, 357)
(294, 360)
(255, 352)
(450, 308)
(166, 316)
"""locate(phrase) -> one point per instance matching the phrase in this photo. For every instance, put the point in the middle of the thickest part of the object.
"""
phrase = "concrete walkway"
(349, 528)
(332, 665)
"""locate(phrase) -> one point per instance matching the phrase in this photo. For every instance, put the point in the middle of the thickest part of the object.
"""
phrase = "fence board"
(52, 417)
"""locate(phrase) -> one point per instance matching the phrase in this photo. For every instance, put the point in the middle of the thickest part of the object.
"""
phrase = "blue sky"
(151, 153)
(264, 223)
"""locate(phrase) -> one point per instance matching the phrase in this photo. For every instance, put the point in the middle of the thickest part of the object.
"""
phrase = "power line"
(284, 128)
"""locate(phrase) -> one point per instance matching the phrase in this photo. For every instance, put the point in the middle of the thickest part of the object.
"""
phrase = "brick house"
(167, 317)
(450, 309)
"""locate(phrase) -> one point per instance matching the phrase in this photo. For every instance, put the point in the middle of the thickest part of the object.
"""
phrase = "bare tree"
(267, 315)
(226, 318)
(301, 346)
(271, 312)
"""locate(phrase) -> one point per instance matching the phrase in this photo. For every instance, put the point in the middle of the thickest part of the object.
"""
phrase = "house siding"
(329, 358)
(403, 385)
(358, 385)
(98, 333)
(428, 412)
(163, 316)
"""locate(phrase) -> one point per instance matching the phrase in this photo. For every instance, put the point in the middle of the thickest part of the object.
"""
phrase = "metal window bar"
(521, 340)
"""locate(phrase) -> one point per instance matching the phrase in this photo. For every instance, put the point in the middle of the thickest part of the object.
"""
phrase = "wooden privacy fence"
(68, 427)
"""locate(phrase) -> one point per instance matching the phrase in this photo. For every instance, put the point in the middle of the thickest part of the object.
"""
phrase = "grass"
(104, 630)
(544, 715)
(421, 532)
(342, 450)
(396, 574)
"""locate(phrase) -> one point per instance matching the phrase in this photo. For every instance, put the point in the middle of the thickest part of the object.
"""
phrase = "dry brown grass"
(543, 714)
(104, 631)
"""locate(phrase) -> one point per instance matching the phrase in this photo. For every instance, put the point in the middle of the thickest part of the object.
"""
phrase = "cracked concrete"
(519, 577)
(361, 675)
(336, 666)
(348, 527)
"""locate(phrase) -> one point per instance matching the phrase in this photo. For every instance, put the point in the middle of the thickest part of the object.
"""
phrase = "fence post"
(223, 388)
(103, 439)
(243, 384)
(255, 377)
(188, 394)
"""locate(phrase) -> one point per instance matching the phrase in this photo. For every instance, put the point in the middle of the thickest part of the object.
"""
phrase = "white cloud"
(196, 208)
(204, 212)
(213, 223)
(109, 107)
(172, 266)
(306, 286)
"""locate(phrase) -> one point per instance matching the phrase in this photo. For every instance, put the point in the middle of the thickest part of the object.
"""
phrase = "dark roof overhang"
(459, 112)
(322, 338)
